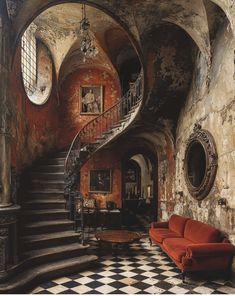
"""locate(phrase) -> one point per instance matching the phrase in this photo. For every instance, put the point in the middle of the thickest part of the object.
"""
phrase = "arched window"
(29, 59)
(36, 67)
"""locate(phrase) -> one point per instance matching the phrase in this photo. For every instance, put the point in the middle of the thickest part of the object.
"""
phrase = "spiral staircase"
(48, 245)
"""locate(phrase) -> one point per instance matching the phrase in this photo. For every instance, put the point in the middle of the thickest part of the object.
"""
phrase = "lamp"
(87, 46)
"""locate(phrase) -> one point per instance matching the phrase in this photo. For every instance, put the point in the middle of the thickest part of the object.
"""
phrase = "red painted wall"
(72, 121)
(38, 130)
(70, 116)
(34, 128)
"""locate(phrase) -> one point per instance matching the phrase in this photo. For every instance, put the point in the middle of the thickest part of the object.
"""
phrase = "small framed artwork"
(100, 181)
(91, 99)
(130, 175)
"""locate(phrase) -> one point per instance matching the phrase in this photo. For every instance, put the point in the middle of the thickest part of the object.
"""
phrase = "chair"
(89, 212)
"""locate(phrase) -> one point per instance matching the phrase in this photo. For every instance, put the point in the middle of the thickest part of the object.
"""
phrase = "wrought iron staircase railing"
(99, 131)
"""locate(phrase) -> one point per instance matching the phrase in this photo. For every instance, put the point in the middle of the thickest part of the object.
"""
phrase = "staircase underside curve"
(48, 245)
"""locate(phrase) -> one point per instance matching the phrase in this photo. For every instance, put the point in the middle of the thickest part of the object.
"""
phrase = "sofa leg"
(150, 241)
(227, 275)
(183, 277)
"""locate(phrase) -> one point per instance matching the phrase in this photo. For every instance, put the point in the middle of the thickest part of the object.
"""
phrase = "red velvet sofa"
(192, 245)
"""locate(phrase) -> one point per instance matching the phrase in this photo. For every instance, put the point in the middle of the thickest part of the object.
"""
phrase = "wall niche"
(200, 162)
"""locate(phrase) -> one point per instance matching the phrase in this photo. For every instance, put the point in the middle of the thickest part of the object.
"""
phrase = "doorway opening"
(139, 189)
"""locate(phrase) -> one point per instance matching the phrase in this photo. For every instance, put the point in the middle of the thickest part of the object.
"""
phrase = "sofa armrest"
(210, 250)
(159, 225)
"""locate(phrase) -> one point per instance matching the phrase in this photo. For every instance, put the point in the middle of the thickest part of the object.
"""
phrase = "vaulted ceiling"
(165, 36)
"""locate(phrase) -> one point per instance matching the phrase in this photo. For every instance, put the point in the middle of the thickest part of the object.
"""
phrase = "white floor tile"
(130, 290)
(105, 289)
(81, 289)
(84, 280)
(203, 290)
(57, 289)
(178, 290)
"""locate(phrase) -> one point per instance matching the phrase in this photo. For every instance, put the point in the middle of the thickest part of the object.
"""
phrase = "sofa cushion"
(199, 232)
(159, 234)
(177, 224)
(176, 247)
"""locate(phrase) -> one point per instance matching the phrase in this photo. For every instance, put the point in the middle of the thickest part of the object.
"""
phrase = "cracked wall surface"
(214, 110)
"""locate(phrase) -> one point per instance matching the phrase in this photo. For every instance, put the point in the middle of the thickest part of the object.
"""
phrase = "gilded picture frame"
(91, 99)
(100, 181)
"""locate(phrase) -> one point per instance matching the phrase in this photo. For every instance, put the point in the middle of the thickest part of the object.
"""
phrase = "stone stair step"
(45, 194)
(50, 254)
(47, 214)
(41, 204)
(42, 241)
(107, 133)
(34, 276)
(116, 125)
(54, 161)
(47, 176)
(50, 168)
(102, 138)
(97, 142)
(40, 227)
(125, 117)
(47, 184)
(62, 154)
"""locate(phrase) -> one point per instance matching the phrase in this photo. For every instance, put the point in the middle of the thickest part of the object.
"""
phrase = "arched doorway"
(139, 188)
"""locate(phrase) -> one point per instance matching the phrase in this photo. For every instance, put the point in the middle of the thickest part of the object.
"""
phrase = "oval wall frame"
(200, 162)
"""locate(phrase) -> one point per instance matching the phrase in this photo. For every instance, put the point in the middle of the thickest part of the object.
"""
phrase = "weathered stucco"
(187, 53)
(34, 127)
(214, 110)
(70, 100)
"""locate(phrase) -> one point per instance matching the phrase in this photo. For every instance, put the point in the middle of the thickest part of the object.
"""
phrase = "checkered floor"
(141, 269)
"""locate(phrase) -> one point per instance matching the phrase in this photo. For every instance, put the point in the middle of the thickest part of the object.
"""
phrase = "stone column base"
(8, 239)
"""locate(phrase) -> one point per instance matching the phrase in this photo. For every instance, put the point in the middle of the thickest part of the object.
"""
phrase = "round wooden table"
(117, 237)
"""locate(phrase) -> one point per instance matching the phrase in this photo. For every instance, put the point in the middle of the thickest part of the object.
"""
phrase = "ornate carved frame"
(204, 138)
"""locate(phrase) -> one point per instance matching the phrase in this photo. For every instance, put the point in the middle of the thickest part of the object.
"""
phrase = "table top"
(117, 236)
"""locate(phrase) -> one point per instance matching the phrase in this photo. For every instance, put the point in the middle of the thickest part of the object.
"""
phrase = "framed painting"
(130, 175)
(91, 99)
(100, 181)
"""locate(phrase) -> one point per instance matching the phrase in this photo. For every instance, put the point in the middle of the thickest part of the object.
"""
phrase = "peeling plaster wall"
(171, 59)
(34, 128)
(214, 109)
(71, 119)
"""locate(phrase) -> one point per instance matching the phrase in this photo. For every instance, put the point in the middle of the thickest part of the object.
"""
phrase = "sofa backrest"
(199, 232)
(177, 224)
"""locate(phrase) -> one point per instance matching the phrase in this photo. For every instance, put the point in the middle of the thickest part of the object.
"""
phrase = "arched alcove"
(139, 187)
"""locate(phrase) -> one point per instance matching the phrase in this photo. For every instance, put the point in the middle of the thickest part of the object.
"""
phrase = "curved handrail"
(96, 128)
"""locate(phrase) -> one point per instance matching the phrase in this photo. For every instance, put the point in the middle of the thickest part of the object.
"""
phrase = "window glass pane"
(28, 60)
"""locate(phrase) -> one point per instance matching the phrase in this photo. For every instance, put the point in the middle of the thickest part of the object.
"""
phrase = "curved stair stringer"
(101, 131)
